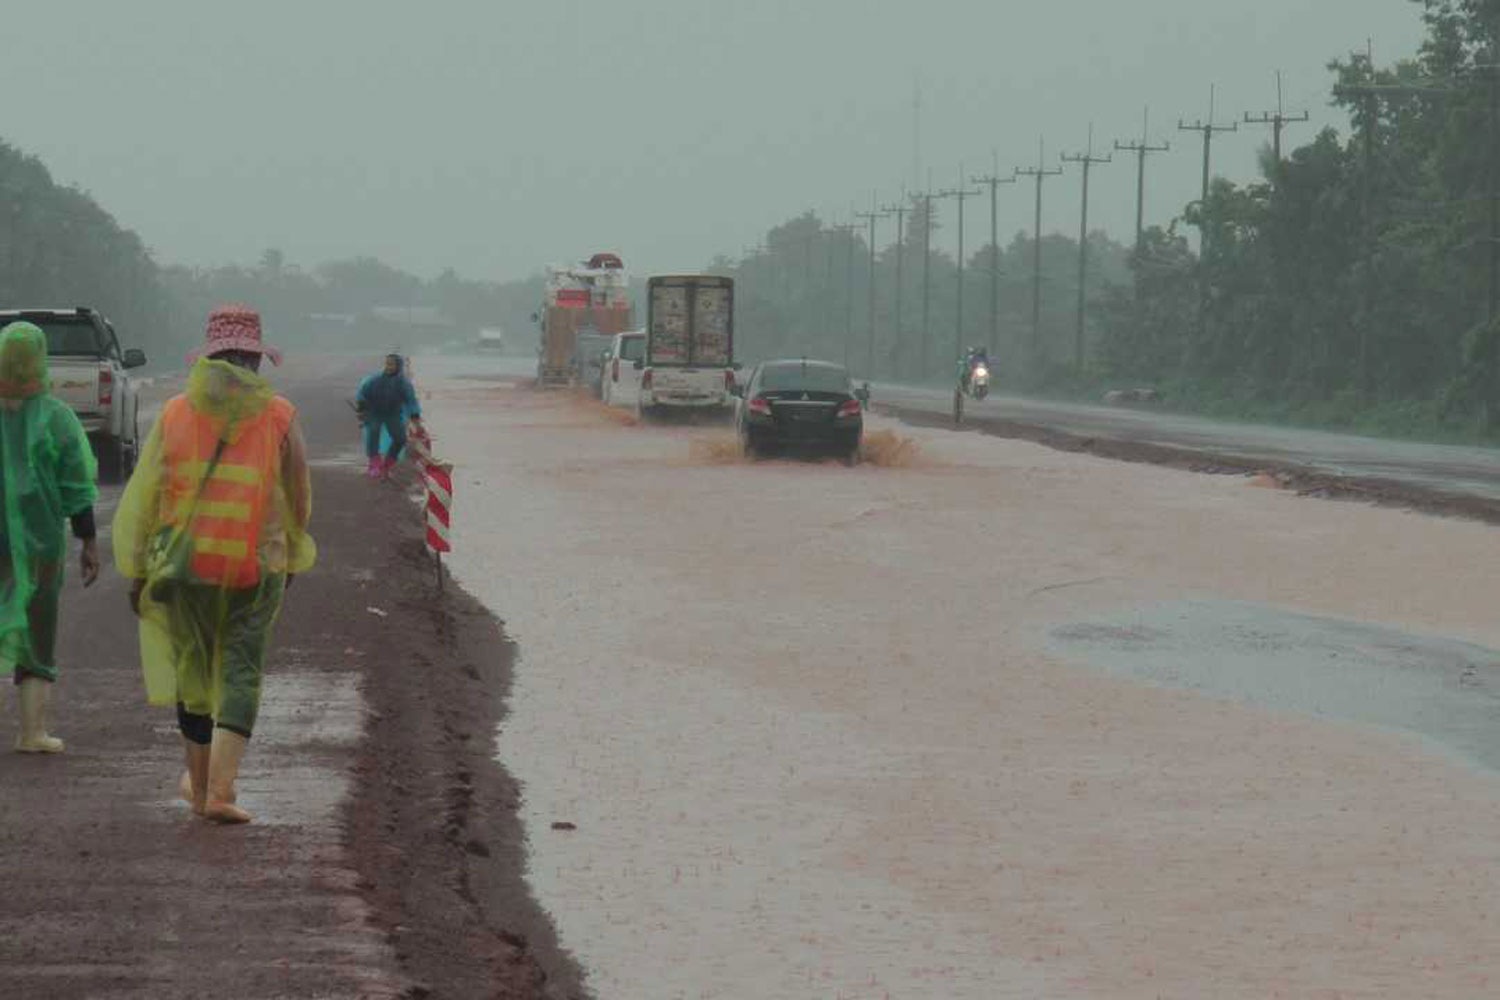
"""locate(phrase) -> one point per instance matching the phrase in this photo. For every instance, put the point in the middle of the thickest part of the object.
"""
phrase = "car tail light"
(761, 405)
(614, 371)
(850, 409)
(106, 386)
(646, 379)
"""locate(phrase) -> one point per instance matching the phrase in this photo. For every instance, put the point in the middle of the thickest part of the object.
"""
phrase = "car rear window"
(632, 348)
(68, 336)
(810, 378)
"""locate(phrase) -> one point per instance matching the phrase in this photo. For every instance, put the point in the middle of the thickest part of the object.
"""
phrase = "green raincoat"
(47, 477)
(204, 639)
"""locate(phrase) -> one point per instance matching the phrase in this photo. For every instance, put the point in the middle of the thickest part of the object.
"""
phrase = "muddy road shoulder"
(1298, 479)
(432, 821)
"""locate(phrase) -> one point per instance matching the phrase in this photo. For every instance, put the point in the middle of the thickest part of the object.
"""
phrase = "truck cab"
(91, 374)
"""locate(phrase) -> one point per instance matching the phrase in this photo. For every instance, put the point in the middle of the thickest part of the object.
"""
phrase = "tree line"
(59, 248)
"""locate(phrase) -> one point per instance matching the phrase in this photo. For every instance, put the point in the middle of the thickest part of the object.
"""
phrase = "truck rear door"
(713, 323)
(691, 321)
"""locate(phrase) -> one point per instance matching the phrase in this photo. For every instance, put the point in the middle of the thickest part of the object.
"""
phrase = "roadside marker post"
(438, 477)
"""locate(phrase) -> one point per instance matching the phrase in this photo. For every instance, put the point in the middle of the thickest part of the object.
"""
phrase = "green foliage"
(1350, 287)
(58, 248)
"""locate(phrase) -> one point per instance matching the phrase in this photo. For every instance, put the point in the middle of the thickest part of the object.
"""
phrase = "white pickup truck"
(91, 374)
(689, 362)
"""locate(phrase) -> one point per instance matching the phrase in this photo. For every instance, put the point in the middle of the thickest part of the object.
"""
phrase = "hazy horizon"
(495, 138)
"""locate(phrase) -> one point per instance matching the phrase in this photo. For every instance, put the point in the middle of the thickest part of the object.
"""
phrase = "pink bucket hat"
(234, 327)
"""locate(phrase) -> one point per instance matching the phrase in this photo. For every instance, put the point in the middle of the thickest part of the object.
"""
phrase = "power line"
(899, 210)
(847, 230)
(1087, 160)
(961, 194)
(926, 198)
(1141, 150)
(871, 217)
(1278, 120)
(993, 182)
(1040, 172)
(1209, 130)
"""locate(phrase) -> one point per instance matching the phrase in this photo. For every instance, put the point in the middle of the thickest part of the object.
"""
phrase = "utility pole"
(1141, 150)
(926, 199)
(1087, 160)
(1278, 120)
(1209, 130)
(1492, 191)
(993, 182)
(847, 230)
(870, 217)
(962, 194)
(1369, 95)
(899, 210)
(830, 282)
(1041, 172)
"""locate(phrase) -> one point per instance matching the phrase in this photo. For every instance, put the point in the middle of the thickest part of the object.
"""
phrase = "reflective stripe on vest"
(228, 515)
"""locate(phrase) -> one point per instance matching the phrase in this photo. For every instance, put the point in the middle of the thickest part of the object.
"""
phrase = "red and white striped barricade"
(438, 477)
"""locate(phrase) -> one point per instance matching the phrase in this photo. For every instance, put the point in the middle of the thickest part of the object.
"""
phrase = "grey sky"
(495, 136)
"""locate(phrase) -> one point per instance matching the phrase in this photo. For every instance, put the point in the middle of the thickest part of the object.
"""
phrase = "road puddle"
(1436, 688)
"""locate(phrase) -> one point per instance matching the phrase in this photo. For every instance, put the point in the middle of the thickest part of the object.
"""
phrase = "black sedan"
(800, 404)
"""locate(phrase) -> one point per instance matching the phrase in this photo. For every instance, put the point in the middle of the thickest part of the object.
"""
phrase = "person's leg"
(197, 734)
(34, 691)
(372, 445)
(396, 430)
(36, 668)
(398, 437)
(244, 642)
(192, 611)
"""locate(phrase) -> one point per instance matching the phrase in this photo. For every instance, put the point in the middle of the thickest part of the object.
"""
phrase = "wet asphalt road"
(1470, 471)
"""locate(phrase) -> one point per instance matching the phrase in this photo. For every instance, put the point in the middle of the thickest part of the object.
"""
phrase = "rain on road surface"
(1451, 468)
(1000, 722)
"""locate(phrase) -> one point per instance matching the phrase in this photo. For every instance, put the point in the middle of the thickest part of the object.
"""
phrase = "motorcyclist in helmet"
(976, 357)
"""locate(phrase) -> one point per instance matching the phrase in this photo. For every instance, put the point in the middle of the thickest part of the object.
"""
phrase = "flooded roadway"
(883, 732)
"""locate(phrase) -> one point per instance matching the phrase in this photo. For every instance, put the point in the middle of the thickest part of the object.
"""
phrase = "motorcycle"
(976, 386)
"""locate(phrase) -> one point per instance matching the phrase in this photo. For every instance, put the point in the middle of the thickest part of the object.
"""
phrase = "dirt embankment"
(432, 821)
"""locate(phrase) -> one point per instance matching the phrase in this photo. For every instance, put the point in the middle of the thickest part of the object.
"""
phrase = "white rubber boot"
(34, 693)
(228, 749)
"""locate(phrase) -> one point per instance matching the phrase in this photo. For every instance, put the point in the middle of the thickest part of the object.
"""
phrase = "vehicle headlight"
(981, 372)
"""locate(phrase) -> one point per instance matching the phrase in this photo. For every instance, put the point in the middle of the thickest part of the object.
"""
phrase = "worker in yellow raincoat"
(212, 528)
(46, 480)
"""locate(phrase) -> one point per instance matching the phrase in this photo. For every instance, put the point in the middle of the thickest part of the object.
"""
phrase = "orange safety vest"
(227, 520)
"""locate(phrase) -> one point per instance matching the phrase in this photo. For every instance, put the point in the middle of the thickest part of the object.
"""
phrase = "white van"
(622, 378)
